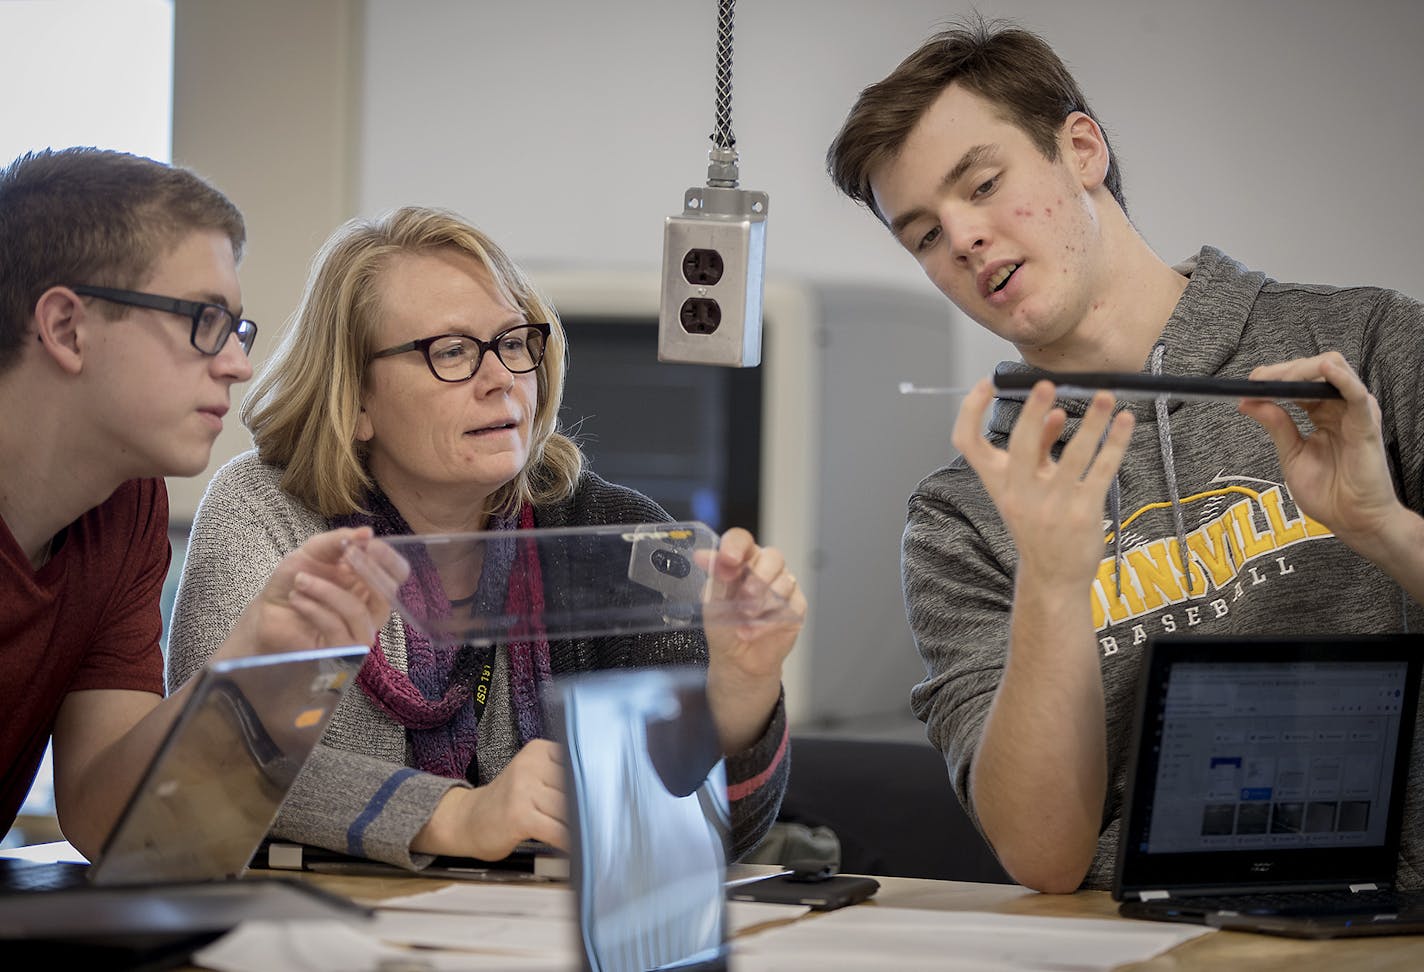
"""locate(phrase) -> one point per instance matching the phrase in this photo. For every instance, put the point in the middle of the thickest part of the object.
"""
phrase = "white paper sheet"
(333, 946)
(549, 937)
(467, 927)
(473, 898)
(908, 938)
(556, 902)
(49, 853)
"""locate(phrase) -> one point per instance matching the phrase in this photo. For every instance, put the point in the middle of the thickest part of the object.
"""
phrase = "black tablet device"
(1128, 385)
(825, 894)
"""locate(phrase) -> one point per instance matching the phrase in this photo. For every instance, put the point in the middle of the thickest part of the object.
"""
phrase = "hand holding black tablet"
(1128, 385)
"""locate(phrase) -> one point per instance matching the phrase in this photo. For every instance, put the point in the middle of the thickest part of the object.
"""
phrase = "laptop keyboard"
(1308, 903)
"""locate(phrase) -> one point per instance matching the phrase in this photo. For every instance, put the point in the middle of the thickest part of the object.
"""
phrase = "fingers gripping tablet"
(1127, 385)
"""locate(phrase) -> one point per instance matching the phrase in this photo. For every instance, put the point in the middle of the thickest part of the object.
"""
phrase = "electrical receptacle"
(702, 267)
(698, 315)
(714, 255)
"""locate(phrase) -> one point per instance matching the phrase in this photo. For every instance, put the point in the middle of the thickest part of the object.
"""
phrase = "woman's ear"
(1086, 148)
(61, 321)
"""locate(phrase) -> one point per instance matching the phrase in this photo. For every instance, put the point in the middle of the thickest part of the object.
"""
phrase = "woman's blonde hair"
(304, 406)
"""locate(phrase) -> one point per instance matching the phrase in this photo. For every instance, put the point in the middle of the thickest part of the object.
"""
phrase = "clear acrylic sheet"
(499, 586)
(650, 818)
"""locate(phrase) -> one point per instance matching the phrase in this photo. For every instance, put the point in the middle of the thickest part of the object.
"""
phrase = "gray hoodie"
(1199, 472)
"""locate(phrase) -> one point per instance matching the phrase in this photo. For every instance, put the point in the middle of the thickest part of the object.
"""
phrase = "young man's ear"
(59, 325)
(1086, 148)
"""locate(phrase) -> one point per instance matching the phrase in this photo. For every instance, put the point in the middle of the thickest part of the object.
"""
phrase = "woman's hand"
(335, 589)
(753, 614)
(526, 801)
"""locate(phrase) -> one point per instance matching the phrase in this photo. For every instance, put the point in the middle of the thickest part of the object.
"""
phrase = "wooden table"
(1218, 950)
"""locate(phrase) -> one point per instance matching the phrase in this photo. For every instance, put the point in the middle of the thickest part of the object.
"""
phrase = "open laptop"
(200, 809)
(1266, 790)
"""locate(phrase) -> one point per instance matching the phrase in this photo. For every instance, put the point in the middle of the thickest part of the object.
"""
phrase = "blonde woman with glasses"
(417, 391)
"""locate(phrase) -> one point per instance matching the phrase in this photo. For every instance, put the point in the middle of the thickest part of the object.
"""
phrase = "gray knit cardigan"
(356, 793)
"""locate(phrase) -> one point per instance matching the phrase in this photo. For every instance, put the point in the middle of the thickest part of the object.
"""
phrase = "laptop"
(649, 819)
(531, 862)
(1267, 784)
(201, 807)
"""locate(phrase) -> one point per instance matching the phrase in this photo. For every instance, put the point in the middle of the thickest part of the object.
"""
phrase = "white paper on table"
(548, 937)
(555, 903)
(461, 926)
(795, 962)
(913, 938)
(53, 852)
(474, 898)
(336, 946)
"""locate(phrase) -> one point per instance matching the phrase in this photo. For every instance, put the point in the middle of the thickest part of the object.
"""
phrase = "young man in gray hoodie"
(1038, 564)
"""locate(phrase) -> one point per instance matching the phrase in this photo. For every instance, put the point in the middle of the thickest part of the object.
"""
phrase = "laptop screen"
(214, 786)
(1270, 760)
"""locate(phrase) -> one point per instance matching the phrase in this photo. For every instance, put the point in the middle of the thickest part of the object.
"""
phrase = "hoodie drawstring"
(1164, 441)
(1164, 444)
(1115, 511)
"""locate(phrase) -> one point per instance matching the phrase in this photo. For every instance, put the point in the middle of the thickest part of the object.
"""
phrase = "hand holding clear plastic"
(492, 587)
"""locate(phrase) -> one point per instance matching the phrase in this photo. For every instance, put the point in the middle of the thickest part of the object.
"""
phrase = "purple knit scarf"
(435, 701)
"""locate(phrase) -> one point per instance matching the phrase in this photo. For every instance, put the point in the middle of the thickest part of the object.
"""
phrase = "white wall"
(263, 105)
(1284, 131)
(1287, 132)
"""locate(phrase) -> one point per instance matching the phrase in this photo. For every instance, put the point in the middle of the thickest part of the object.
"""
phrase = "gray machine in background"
(817, 450)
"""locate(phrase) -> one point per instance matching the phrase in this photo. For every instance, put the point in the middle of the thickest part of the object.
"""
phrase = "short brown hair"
(304, 406)
(92, 216)
(1013, 69)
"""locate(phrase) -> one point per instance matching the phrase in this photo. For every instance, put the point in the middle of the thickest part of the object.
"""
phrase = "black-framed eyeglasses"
(212, 323)
(456, 357)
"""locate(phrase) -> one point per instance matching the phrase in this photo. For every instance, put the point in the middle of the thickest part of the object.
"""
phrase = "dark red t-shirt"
(90, 618)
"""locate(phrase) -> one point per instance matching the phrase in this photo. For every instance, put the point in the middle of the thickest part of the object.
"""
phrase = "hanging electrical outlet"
(714, 253)
(713, 260)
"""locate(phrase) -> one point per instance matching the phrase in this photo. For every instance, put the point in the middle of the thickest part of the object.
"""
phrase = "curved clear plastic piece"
(511, 585)
(649, 816)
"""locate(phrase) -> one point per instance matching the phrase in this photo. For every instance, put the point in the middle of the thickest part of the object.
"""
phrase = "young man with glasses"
(981, 155)
(121, 336)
